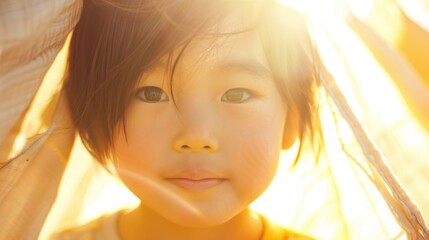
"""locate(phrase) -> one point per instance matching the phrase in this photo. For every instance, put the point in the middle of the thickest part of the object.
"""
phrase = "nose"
(196, 146)
(196, 133)
(194, 139)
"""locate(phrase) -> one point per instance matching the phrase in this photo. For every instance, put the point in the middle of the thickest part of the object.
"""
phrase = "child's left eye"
(236, 95)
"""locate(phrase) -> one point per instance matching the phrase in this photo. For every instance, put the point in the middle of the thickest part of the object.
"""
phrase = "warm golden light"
(335, 198)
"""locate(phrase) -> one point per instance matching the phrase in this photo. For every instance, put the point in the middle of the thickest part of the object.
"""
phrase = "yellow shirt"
(105, 228)
(273, 231)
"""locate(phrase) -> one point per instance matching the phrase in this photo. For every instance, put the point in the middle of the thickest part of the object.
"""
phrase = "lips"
(196, 179)
(196, 185)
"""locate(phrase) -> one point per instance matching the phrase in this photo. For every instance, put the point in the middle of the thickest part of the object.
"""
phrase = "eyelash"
(144, 95)
(247, 95)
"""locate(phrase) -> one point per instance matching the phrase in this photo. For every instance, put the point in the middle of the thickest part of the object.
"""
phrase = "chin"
(199, 218)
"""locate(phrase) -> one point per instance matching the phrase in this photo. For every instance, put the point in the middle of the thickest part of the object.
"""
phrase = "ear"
(291, 128)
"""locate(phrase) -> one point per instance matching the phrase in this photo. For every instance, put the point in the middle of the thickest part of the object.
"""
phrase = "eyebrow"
(250, 66)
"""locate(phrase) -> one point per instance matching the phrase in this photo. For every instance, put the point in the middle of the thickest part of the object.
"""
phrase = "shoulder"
(274, 231)
(102, 228)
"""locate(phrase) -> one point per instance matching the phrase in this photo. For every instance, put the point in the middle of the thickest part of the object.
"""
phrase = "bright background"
(335, 198)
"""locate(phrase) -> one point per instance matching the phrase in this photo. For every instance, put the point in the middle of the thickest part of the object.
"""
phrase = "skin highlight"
(197, 141)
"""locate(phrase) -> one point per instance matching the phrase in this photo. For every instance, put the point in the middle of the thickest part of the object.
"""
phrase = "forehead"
(234, 37)
(237, 47)
(231, 53)
(232, 41)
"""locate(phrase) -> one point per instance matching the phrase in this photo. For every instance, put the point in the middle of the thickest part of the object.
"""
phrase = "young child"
(190, 104)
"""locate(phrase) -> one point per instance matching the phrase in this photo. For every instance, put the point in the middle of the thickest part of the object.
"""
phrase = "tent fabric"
(34, 142)
(45, 169)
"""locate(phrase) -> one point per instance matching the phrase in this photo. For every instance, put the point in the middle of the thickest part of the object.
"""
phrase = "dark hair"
(116, 41)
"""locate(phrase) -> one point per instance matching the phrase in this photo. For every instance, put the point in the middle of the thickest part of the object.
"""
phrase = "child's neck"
(143, 223)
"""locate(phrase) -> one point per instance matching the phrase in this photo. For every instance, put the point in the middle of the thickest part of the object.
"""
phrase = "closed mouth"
(196, 184)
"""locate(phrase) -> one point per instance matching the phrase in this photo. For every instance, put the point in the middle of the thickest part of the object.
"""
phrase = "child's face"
(204, 162)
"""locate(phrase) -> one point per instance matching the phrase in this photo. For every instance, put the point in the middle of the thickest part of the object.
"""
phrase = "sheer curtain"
(343, 196)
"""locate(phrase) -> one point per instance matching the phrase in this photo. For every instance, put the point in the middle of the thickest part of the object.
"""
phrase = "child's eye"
(151, 94)
(236, 95)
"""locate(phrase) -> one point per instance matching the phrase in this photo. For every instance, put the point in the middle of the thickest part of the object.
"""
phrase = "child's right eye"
(151, 94)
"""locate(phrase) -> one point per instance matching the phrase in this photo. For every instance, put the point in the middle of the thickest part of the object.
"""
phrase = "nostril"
(186, 147)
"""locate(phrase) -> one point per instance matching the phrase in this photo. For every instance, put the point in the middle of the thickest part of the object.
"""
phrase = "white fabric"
(103, 228)
(332, 200)
(35, 131)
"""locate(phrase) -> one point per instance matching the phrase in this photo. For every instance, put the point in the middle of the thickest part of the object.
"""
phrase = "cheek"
(260, 153)
(138, 150)
(141, 140)
(257, 155)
